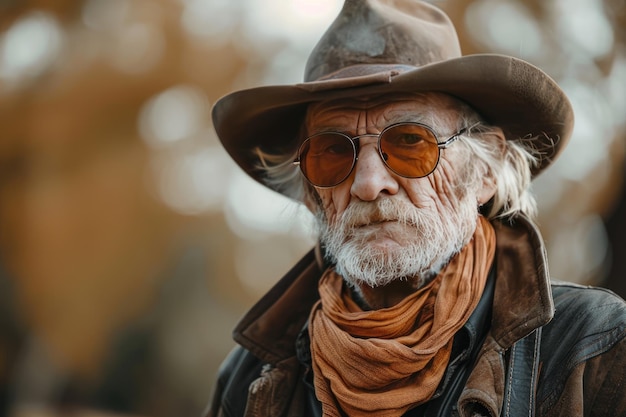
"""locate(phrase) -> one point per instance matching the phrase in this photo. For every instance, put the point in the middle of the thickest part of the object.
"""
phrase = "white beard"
(423, 240)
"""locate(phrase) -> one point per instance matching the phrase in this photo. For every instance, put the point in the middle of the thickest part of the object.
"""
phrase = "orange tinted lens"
(410, 150)
(327, 159)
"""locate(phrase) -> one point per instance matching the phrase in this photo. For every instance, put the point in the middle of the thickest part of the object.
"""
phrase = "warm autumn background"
(130, 244)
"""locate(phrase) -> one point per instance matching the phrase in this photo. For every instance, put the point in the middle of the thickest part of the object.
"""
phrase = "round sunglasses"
(410, 150)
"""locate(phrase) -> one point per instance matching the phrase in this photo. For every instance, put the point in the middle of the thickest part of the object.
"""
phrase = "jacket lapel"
(523, 298)
(270, 328)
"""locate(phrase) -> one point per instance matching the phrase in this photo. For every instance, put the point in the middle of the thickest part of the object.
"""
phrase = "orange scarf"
(385, 362)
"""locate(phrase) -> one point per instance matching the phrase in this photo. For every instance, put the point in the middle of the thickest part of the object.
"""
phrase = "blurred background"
(130, 244)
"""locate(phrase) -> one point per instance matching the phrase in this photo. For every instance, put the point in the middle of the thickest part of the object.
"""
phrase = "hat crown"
(380, 32)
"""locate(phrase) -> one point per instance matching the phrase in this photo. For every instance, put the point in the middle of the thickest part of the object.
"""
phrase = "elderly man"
(429, 293)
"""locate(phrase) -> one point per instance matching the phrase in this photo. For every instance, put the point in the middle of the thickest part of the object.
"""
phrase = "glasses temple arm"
(450, 140)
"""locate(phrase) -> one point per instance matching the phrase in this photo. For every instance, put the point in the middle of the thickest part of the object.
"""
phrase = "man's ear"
(488, 189)
(495, 137)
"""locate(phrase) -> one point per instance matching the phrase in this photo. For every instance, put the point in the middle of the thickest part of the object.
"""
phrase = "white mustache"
(361, 213)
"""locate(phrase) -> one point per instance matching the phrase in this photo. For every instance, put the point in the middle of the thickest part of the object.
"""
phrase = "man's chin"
(383, 260)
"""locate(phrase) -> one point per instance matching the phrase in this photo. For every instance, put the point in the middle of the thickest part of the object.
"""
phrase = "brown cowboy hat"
(387, 46)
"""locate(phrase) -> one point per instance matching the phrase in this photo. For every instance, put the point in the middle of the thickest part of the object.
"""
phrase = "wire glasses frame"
(410, 150)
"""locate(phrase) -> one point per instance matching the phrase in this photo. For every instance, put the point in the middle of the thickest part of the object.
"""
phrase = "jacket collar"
(270, 328)
(522, 299)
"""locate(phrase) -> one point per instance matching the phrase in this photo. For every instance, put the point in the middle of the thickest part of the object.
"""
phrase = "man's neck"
(384, 296)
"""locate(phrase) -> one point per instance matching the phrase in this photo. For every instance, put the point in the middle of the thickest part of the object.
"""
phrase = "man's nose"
(371, 176)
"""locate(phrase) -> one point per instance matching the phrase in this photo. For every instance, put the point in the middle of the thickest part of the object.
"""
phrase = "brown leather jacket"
(552, 349)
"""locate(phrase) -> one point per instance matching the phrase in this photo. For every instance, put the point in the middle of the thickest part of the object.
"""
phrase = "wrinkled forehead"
(430, 108)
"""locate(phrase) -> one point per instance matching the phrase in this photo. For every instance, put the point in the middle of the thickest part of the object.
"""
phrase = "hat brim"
(507, 92)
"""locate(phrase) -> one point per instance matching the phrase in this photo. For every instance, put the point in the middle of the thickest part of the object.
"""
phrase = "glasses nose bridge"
(357, 147)
(357, 144)
(365, 135)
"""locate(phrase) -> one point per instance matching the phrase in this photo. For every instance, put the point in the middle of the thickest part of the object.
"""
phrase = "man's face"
(379, 227)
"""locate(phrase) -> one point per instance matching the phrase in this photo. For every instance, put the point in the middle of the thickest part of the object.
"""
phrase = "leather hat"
(386, 46)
